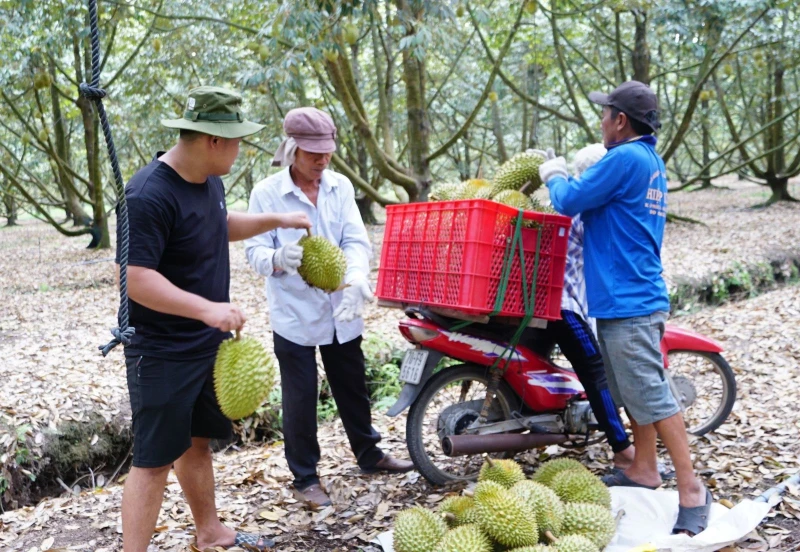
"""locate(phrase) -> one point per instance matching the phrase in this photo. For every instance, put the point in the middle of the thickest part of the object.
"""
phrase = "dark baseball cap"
(633, 98)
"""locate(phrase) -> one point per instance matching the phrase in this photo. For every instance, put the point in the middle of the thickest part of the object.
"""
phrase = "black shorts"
(172, 401)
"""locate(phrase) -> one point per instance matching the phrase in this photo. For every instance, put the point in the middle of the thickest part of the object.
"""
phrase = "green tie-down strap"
(514, 246)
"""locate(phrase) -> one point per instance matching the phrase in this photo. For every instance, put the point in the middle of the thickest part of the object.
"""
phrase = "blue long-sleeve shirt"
(622, 201)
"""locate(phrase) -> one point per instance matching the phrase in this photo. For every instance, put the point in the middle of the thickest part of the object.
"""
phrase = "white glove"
(588, 156)
(552, 168)
(288, 258)
(353, 298)
(548, 154)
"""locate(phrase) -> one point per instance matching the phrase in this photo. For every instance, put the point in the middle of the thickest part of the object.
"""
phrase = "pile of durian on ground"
(563, 508)
(513, 184)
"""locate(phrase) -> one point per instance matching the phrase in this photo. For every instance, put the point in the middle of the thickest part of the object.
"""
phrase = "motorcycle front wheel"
(450, 401)
(705, 387)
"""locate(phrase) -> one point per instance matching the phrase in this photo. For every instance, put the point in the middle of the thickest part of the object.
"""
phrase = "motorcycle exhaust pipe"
(460, 445)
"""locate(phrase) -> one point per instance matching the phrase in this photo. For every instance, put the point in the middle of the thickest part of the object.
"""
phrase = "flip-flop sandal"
(693, 520)
(662, 471)
(619, 479)
(246, 541)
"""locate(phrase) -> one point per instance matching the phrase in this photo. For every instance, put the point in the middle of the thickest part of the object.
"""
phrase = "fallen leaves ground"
(57, 301)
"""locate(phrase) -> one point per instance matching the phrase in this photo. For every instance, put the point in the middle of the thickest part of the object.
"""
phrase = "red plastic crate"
(450, 254)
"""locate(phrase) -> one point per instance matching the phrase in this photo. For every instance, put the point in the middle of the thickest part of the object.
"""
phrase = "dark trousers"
(345, 370)
(577, 342)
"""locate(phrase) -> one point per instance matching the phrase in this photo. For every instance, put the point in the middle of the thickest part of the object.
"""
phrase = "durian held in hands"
(243, 376)
(324, 264)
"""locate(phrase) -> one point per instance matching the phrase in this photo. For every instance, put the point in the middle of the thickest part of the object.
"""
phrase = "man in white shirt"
(305, 317)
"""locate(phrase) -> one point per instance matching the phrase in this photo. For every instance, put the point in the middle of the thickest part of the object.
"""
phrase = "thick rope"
(122, 333)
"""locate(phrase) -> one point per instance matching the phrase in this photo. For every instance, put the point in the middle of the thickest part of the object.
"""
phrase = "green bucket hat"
(215, 111)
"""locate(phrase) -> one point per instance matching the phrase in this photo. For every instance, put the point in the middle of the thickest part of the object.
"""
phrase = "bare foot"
(692, 495)
(624, 458)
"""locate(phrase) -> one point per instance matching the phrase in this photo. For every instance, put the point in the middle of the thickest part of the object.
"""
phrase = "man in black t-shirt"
(178, 290)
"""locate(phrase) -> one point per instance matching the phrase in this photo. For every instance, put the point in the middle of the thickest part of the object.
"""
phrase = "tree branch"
(490, 82)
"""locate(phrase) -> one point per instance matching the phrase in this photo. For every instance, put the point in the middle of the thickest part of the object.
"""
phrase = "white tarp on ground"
(650, 515)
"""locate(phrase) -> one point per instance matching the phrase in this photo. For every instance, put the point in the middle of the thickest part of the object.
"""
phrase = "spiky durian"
(418, 530)
(549, 469)
(581, 486)
(475, 188)
(590, 520)
(466, 538)
(459, 510)
(542, 500)
(515, 199)
(447, 191)
(504, 517)
(243, 376)
(324, 264)
(504, 472)
(575, 543)
(521, 171)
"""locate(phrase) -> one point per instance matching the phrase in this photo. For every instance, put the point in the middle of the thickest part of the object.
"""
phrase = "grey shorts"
(631, 349)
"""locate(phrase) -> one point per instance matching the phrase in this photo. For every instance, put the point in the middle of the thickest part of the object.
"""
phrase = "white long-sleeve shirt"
(298, 312)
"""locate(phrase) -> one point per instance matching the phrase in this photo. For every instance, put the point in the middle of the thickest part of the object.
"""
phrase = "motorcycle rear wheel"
(705, 386)
(448, 403)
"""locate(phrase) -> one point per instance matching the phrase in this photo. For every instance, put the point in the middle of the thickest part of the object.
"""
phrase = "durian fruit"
(549, 469)
(539, 207)
(243, 376)
(475, 188)
(535, 548)
(447, 191)
(520, 171)
(590, 520)
(574, 543)
(459, 510)
(466, 538)
(542, 500)
(581, 486)
(324, 264)
(514, 199)
(504, 472)
(483, 488)
(418, 530)
(504, 517)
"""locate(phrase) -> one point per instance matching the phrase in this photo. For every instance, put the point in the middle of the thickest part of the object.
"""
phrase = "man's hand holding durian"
(288, 258)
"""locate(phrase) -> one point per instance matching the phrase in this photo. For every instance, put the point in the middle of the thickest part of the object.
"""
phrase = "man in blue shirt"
(304, 318)
(622, 201)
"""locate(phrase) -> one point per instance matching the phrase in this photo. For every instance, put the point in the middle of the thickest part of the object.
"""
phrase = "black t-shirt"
(179, 229)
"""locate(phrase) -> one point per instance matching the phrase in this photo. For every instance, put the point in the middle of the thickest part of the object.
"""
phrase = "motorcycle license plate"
(412, 366)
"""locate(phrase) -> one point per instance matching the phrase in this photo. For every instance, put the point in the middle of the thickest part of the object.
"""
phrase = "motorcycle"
(469, 394)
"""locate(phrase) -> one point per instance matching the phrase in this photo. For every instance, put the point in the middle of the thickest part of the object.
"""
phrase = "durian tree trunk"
(568, 79)
(620, 68)
(496, 62)
(384, 86)
(497, 128)
(705, 181)
(533, 82)
(341, 78)
(10, 204)
(641, 51)
(66, 185)
(466, 167)
(416, 109)
(91, 131)
(714, 25)
(776, 172)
